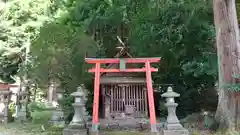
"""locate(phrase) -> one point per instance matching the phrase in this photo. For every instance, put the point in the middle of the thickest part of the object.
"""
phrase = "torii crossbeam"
(147, 69)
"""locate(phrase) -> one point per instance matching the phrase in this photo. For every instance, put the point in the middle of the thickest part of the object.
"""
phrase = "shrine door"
(119, 96)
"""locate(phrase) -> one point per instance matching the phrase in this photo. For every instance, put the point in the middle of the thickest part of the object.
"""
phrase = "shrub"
(36, 106)
(39, 113)
(41, 117)
(66, 102)
(12, 107)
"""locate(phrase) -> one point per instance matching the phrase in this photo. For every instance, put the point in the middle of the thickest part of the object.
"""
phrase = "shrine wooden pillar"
(153, 121)
(95, 120)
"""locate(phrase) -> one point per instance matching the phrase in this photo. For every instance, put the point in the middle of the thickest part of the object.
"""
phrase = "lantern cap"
(170, 93)
(79, 92)
(82, 86)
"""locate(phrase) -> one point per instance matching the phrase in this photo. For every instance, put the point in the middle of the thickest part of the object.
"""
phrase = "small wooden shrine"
(123, 93)
(3, 85)
(123, 88)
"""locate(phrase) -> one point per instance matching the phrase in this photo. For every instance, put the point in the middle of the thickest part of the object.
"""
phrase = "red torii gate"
(147, 69)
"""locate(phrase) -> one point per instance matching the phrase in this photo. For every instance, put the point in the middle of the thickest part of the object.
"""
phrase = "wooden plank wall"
(121, 95)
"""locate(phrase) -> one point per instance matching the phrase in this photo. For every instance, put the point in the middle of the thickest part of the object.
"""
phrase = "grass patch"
(28, 129)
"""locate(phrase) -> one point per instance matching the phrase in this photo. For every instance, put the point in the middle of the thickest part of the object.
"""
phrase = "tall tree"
(19, 23)
(228, 49)
(181, 32)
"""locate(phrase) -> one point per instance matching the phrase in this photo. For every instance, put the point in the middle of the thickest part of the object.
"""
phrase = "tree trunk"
(227, 37)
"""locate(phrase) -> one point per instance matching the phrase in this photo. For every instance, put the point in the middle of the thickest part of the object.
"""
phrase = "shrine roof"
(123, 53)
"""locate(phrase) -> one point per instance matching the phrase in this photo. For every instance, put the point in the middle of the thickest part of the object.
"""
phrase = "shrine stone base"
(176, 132)
(71, 131)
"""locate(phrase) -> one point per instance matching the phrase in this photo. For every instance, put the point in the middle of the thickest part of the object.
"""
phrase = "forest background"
(47, 40)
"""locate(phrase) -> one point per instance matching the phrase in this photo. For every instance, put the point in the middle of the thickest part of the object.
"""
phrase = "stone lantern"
(78, 125)
(58, 114)
(23, 95)
(85, 113)
(173, 126)
(59, 94)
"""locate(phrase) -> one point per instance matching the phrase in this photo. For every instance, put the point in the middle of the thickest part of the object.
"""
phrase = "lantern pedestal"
(173, 126)
(78, 125)
(58, 113)
(22, 115)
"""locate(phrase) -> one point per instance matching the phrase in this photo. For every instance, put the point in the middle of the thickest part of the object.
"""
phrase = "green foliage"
(10, 58)
(60, 55)
(162, 108)
(66, 103)
(36, 106)
(234, 87)
(181, 32)
(11, 111)
(41, 117)
(39, 113)
(238, 9)
(12, 107)
(62, 46)
(208, 121)
(19, 23)
(55, 130)
(30, 129)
